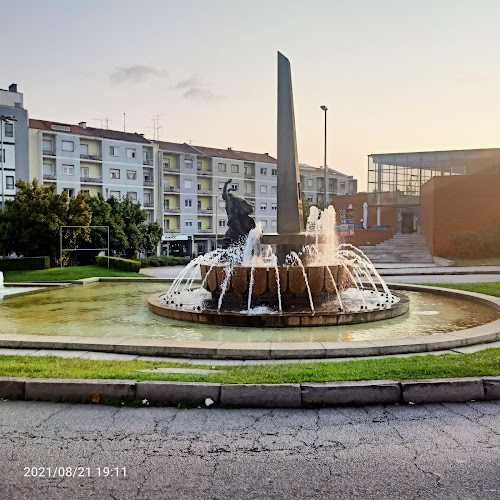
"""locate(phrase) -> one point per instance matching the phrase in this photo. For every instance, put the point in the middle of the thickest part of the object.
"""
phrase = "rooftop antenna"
(157, 127)
(124, 122)
(104, 122)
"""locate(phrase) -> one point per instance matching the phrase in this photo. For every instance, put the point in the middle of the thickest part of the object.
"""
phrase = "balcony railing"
(250, 194)
(149, 183)
(171, 189)
(50, 177)
(204, 191)
(91, 157)
(249, 176)
(168, 170)
(147, 161)
(148, 204)
(205, 210)
(174, 230)
(204, 172)
(206, 230)
(94, 180)
(49, 152)
(171, 210)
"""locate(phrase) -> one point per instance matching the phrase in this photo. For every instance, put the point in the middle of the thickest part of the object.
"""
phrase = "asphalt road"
(432, 451)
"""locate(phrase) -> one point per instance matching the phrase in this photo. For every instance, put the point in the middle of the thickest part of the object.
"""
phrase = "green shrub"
(483, 243)
(25, 264)
(162, 260)
(132, 266)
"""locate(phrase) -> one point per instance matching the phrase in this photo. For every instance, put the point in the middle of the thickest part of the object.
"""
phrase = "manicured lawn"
(67, 274)
(492, 261)
(486, 288)
(485, 362)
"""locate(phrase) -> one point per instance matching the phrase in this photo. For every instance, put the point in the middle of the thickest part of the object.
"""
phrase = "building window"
(198, 186)
(132, 195)
(221, 185)
(263, 171)
(166, 224)
(188, 183)
(166, 163)
(264, 223)
(309, 183)
(68, 169)
(274, 206)
(273, 223)
(2, 154)
(115, 194)
(9, 182)
(189, 223)
(234, 187)
(114, 150)
(274, 172)
(47, 145)
(166, 203)
(68, 146)
(263, 206)
(222, 204)
(199, 225)
(263, 189)
(84, 149)
(84, 191)
(9, 130)
(146, 197)
(188, 203)
(131, 175)
(222, 223)
(274, 189)
(188, 163)
(222, 167)
(310, 199)
(130, 153)
(198, 165)
(48, 168)
(69, 191)
(342, 185)
(84, 171)
(114, 173)
(235, 169)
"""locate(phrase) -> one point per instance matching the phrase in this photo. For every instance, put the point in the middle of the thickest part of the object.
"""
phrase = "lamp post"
(325, 109)
(3, 119)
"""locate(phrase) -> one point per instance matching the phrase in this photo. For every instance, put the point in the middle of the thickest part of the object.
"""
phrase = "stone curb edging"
(305, 395)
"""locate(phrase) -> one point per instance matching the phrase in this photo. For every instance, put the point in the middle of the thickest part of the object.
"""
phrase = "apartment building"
(14, 139)
(78, 158)
(312, 183)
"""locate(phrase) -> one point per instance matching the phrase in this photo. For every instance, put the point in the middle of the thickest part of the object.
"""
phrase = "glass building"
(395, 179)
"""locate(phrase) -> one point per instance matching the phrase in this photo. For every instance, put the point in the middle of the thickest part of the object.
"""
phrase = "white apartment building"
(77, 158)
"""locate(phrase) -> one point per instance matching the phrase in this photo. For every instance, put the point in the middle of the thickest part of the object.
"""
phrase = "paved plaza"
(393, 452)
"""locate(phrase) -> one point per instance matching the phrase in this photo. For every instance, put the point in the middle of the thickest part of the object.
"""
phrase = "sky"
(396, 75)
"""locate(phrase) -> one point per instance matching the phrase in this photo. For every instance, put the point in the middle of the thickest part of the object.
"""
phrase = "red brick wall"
(457, 203)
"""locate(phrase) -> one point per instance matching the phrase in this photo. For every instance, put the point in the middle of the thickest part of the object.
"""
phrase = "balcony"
(147, 160)
(49, 152)
(167, 210)
(149, 183)
(206, 211)
(91, 157)
(171, 189)
(207, 230)
(173, 230)
(169, 170)
(49, 177)
(204, 172)
(250, 194)
(204, 191)
(91, 180)
(249, 176)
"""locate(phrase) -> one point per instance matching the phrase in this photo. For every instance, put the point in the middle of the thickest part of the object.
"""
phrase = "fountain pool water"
(14, 290)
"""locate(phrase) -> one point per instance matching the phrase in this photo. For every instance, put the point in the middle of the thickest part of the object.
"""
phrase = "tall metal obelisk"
(290, 220)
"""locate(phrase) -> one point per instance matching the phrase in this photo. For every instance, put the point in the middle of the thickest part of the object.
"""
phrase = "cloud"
(194, 88)
(136, 74)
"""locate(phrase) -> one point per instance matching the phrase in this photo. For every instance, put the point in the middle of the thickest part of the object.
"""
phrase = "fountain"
(300, 276)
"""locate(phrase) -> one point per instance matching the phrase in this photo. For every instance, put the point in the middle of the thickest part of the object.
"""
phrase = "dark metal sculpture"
(238, 216)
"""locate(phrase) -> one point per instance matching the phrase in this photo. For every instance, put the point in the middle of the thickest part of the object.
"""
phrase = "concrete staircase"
(402, 248)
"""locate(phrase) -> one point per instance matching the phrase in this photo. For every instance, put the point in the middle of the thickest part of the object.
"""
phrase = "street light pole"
(325, 109)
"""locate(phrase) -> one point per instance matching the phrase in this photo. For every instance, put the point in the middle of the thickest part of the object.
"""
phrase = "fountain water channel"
(300, 276)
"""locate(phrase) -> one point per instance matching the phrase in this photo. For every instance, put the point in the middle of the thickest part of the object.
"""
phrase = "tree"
(151, 234)
(30, 224)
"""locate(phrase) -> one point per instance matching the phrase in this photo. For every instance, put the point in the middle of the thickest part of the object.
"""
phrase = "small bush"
(132, 266)
(25, 264)
(162, 260)
(483, 243)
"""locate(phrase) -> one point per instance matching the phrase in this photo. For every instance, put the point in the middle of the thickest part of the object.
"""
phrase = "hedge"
(483, 243)
(132, 266)
(25, 264)
(163, 260)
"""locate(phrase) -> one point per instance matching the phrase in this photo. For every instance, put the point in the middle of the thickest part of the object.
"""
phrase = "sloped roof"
(257, 157)
(176, 147)
(117, 135)
(47, 125)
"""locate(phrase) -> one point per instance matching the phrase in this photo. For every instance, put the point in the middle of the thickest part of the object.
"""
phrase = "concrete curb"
(305, 395)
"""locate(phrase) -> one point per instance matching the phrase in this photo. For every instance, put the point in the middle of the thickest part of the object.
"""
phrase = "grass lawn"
(486, 288)
(486, 362)
(492, 261)
(67, 274)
